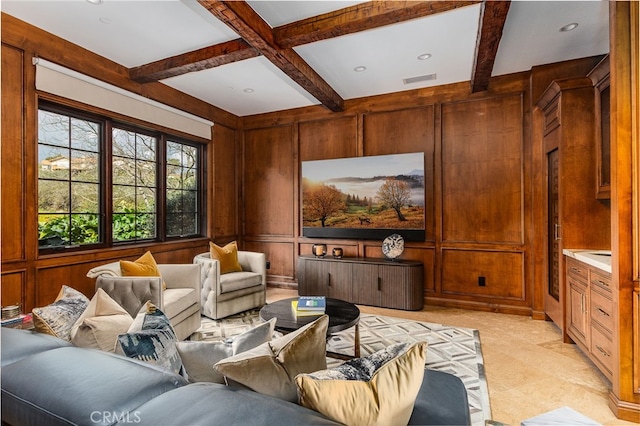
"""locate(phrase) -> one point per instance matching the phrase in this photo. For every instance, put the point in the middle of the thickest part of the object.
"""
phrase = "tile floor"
(529, 370)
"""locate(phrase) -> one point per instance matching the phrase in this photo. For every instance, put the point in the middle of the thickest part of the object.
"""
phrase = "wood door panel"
(324, 139)
(12, 154)
(503, 274)
(269, 182)
(482, 171)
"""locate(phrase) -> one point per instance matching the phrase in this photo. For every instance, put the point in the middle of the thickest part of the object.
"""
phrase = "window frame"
(105, 176)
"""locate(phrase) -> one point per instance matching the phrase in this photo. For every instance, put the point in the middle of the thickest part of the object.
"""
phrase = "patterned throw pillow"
(379, 389)
(271, 368)
(199, 358)
(151, 338)
(57, 318)
(227, 256)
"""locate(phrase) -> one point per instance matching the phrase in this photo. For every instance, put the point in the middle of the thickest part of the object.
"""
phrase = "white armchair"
(180, 302)
(227, 294)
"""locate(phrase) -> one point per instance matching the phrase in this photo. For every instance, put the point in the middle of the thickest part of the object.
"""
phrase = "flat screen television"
(368, 197)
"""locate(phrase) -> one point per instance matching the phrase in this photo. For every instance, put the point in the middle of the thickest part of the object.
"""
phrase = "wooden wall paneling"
(12, 154)
(404, 131)
(464, 270)
(224, 183)
(12, 288)
(325, 139)
(268, 182)
(349, 248)
(281, 257)
(482, 171)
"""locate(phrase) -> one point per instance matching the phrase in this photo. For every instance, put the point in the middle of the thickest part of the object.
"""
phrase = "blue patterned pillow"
(151, 338)
(58, 318)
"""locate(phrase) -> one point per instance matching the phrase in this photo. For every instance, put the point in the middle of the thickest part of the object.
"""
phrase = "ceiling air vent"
(426, 77)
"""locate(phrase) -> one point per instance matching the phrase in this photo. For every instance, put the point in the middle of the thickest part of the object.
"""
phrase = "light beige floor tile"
(529, 369)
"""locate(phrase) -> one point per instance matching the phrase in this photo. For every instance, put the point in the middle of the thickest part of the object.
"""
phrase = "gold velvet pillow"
(144, 266)
(379, 389)
(227, 256)
(271, 368)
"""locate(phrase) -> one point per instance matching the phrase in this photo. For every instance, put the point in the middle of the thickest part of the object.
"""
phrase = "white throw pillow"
(198, 358)
(100, 324)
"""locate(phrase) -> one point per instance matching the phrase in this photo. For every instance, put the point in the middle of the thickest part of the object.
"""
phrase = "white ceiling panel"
(130, 33)
(277, 13)
(226, 87)
(532, 33)
(390, 54)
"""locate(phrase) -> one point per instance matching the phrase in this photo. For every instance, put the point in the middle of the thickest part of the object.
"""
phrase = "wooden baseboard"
(624, 410)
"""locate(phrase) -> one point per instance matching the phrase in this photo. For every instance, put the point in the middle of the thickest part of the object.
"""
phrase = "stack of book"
(307, 306)
(17, 320)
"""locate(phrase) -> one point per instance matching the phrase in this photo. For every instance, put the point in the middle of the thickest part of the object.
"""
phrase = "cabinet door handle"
(556, 231)
(582, 302)
(602, 283)
(328, 279)
(574, 269)
(602, 351)
(602, 311)
(379, 284)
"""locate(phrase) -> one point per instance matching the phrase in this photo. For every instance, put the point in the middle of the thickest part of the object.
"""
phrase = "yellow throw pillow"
(379, 389)
(227, 256)
(144, 266)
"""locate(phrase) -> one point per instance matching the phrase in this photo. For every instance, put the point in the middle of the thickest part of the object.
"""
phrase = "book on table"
(19, 319)
(304, 312)
(312, 303)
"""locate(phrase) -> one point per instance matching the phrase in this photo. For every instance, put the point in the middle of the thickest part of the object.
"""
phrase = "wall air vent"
(418, 79)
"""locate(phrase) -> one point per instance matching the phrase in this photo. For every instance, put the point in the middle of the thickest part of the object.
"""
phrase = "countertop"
(600, 259)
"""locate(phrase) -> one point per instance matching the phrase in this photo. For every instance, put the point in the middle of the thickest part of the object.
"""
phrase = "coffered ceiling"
(261, 56)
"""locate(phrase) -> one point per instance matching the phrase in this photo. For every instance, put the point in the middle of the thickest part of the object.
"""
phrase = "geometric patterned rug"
(453, 350)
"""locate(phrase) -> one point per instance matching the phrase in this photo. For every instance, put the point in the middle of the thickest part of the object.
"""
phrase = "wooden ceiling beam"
(241, 18)
(358, 18)
(493, 16)
(197, 60)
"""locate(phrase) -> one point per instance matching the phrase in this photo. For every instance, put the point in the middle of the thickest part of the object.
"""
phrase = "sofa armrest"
(254, 262)
(210, 273)
(132, 292)
(181, 275)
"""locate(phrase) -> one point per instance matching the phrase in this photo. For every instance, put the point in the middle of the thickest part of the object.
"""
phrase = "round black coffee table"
(342, 315)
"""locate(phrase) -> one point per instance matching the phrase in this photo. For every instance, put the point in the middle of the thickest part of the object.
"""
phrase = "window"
(182, 183)
(68, 180)
(134, 166)
(100, 188)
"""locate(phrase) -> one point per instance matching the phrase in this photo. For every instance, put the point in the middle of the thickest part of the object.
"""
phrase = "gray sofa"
(46, 380)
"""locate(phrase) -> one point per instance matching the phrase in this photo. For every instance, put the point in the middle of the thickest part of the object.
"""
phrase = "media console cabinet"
(365, 281)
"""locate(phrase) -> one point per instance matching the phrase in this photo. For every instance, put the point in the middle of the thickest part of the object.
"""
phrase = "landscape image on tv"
(364, 197)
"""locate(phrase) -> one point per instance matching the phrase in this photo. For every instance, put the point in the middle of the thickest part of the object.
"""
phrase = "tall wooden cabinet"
(576, 219)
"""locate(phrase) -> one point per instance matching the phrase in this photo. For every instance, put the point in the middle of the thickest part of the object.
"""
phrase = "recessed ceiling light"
(105, 20)
(94, 1)
(424, 56)
(569, 27)
(360, 68)
(248, 90)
